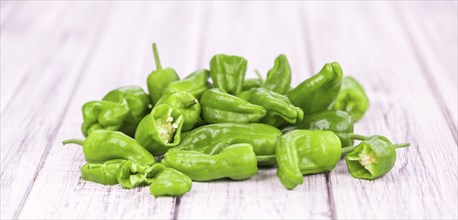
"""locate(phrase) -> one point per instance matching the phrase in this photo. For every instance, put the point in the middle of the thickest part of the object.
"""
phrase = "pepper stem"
(347, 150)
(266, 158)
(156, 57)
(358, 137)
(73, 141)
(258, 74)
(191, 103)
(401, 145)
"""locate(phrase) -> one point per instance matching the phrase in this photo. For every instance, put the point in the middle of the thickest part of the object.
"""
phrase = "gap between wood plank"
(61, 117)
(308, 52)
(426, 72)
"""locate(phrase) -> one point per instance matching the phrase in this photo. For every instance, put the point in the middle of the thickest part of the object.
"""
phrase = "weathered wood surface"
(57, 55)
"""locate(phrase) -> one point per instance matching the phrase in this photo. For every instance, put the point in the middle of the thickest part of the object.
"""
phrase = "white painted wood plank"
(368, 40)
(124, 57)
(433, 29)
(33, 116)
(30, 35)
(259, 32)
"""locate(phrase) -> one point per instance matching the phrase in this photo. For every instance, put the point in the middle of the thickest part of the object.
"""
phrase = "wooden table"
(55, 56)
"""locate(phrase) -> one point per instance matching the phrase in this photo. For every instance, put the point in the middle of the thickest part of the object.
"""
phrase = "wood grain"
(118, 61)
(377, 52)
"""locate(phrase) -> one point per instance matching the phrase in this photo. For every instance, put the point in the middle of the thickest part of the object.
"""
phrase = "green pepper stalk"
(280, 111)
(228, 72)
(253, 83)
(212, 139)
(195, 83)
(170, 182)
(372, 158)
(187, 104)
(236, 162)
(220, 107)
(103, 145)
(319, 91)
(160, 130)
(279, 77)
(158, 79)
(352, 98)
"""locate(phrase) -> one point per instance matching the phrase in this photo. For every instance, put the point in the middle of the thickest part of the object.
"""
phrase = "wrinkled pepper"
(104, 173)
(302, 152)
(212, 139)
(228, 72)
(170, 182)
(158, 79)
(160, 130)
(220, 107)
(187, 104)
(319, 91)
(352, 98)
(103, 145)
(279, 77)
(236, 162)
(279, 109)
(253, 83)
(372, 158)
(132, 174)
(103, 115)
(196, 84)
(339, 122)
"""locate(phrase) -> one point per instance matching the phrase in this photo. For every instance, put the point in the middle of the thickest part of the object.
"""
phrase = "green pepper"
(253, 83)
(103, 145)
(158, 79)
(236, 161)
(339, 122)
(187, 104)
(279, 77)
(228, 72)
(372, 158)
(170, 182)
(279, 108)
(302, 152)
(196, 84)
(105, 173)
(352, 98)
(220, 107)
(103, 115)
(212, 139)
(132, 174)
(319, 91)
(160, 130)
(136, 100)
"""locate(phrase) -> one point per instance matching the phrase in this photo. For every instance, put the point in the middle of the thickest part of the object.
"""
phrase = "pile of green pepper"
(196, 130)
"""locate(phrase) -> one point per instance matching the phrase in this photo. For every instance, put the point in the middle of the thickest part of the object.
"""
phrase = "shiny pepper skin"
(279, 109)
(279, 77)
(158, 79)
(236, 162)
(302, 152)
(339, 122)
(187, 104)
(103, 115)
(220, 107)
(102, 145)
(170, 182)
(104, 173)
(160, 130)
(352, 98)
(372, 158)
(196, 84)
(228, 72)
(212, 139)
(136, 100)
(319, 91)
